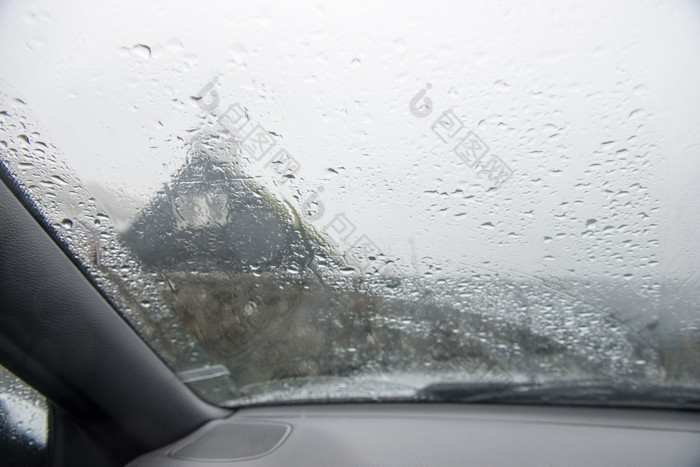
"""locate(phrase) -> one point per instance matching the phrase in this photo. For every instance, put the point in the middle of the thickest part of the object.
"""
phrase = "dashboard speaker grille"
(233, 441)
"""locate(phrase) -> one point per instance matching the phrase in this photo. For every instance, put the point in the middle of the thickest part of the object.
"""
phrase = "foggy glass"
(283, 196)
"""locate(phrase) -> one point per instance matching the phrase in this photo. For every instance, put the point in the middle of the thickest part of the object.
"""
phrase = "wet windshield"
(305, 201)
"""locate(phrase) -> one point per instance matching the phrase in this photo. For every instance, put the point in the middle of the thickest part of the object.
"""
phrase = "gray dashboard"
(437, 434)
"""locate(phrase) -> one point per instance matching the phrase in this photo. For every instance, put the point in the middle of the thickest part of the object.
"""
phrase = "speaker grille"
(233, 441)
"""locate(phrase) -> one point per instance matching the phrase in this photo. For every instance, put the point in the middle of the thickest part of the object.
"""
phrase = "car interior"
(114, 402)
(333, 360)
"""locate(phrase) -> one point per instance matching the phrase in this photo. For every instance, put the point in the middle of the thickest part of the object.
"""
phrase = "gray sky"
(594, 106)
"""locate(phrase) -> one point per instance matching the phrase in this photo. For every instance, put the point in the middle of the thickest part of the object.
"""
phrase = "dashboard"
(438, 434)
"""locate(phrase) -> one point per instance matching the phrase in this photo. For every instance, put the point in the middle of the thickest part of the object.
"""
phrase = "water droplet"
(174, 45)
(141, 51)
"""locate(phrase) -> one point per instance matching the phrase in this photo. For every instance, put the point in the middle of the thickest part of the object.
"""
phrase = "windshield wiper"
(576, 392)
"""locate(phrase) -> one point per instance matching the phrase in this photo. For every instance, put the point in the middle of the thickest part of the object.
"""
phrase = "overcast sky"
(593, 106)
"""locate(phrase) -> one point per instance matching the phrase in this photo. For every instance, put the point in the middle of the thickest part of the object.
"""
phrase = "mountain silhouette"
(209, 219)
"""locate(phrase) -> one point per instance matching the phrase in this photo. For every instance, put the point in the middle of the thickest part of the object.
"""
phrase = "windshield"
(296, 201)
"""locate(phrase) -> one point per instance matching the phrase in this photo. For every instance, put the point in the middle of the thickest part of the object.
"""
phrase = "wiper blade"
(572, 392)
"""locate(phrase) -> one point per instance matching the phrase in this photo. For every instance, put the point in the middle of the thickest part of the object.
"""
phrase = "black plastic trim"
(60, 335)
